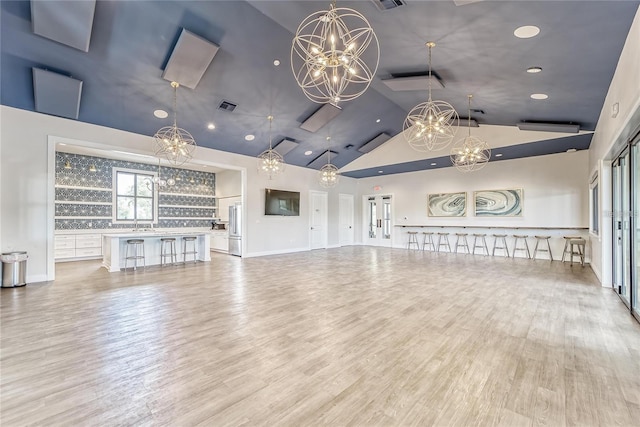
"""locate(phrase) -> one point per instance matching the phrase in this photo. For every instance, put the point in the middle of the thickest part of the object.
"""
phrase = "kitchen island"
(113, 247)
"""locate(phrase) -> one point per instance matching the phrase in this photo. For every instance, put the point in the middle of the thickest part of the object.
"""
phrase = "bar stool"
(443, 243)
(580, 244)
(134, 244)
(462, 244)
(526, 245)
(500, 238)
(542, 239)
(413, 239)
(194, 252)
(482, 246)
(168, 250)
(566, 250)
(428, 240)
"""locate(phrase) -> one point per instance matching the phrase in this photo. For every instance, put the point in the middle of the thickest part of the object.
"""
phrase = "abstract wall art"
(447, 204)
(499, 202)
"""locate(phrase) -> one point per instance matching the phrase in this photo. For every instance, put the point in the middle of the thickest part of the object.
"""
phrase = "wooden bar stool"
(483, 246)
(193, 251)
(413, 239)
(443, 240)
(502, 239)
(519, 237)
(168, 250)
(461, 241)
(427, 240)
(580, 245)
(566, 249)
(137, 247)
(536, 249)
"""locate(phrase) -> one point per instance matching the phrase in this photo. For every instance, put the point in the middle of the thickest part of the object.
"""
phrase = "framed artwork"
(447, 204)
(499, 202)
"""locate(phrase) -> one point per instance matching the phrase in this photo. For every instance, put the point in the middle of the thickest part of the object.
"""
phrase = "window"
(595, 218)
(133, 195)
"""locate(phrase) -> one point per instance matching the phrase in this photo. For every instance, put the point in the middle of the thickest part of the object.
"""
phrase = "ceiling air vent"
(387, 4)
(550, 127)
(399, 82)
(227, 106)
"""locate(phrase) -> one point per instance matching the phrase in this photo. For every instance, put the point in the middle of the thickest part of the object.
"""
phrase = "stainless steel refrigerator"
(235, 229)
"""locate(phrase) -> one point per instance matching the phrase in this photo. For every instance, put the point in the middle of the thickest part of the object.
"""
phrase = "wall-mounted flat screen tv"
(283, 203)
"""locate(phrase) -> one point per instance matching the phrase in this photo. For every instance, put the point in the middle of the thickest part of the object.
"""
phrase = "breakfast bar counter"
(113, 247)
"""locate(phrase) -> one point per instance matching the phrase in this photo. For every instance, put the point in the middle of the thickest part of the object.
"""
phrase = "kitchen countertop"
(143, 234)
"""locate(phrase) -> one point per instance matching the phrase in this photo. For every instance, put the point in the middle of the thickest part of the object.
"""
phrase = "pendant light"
(328, 176)
(471, 153)
(327, 55)
(430, 125)
(270, 162)
(174, 143)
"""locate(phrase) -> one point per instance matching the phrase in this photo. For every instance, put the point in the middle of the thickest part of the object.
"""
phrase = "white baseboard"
(37, 278)
(276, 252)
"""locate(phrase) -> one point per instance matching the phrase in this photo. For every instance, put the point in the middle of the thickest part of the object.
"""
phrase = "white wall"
(556, 192)
(25, 192)
(611, 134)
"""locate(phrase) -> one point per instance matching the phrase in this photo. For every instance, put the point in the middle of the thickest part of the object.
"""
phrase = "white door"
(346, 222)
(378, 220)
(318, 219)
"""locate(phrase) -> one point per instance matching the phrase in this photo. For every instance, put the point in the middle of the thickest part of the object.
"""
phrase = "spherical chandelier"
(270, 162)
(174, 143)
(328, 175)
(327, 55)
(471, 153)
(431, 125)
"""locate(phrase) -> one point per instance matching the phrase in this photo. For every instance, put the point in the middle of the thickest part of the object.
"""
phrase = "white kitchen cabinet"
(220, 241)
(69, 247)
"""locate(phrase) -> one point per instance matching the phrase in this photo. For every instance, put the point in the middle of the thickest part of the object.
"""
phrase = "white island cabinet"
(113, 247)
(220, 241)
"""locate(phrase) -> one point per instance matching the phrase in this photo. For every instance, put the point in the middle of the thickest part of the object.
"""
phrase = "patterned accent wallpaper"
(88, 205)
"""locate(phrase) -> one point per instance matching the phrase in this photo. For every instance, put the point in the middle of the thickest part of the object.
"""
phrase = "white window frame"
(595, 222)
(114, 196)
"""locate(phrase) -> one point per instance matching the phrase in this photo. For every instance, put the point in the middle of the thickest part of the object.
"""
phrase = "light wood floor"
(350, 336)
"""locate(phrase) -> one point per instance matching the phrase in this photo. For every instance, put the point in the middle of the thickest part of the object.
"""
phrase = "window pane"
(145, 210)
(125, 183)
(126, 208)
(145, 185)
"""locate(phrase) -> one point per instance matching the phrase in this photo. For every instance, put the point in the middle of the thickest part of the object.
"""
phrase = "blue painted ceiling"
(578, 49)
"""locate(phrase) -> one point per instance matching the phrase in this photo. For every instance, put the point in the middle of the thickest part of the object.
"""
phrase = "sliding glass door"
(621, 228)
(635, 226)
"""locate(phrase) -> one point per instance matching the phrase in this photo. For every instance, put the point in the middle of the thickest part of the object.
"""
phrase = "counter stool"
(194, 252)
(413, 239)
(135, 245)
(566, 249)
(168, 250)
(482, 246)
(443, 240)
(427, 240)
(526, 245)
(580, 245)
(502, 239)
(461, 241)
(542, 239)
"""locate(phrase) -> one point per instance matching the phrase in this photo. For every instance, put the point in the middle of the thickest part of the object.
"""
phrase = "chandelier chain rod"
(429, 79)
(175, 105)
(469, 115)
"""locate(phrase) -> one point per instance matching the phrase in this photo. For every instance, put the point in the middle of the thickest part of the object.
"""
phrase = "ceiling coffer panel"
(56, 94)
(374, 143)
(189, 60)
(66, 22)
(322, 160)
(285, 146)
(321, 117)
(550, 127)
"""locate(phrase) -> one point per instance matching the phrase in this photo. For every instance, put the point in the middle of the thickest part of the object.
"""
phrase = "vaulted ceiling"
(476, 53)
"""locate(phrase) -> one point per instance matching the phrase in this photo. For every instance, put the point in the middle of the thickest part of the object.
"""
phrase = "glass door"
(622, 227)
(635, 224)
(379, 220)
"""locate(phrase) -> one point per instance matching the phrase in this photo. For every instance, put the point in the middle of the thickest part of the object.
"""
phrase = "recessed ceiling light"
(571, 150)
(308, 153)
(211, 126)
(161, 114)
(380, 171)
(249, 137)
(534, 70)
(526, 31)
(539, 96)
(378, 121)
(276, 62)
(433, 164)
(499, 155)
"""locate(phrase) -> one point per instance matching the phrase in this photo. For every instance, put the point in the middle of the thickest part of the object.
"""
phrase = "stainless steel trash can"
(14, 269)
